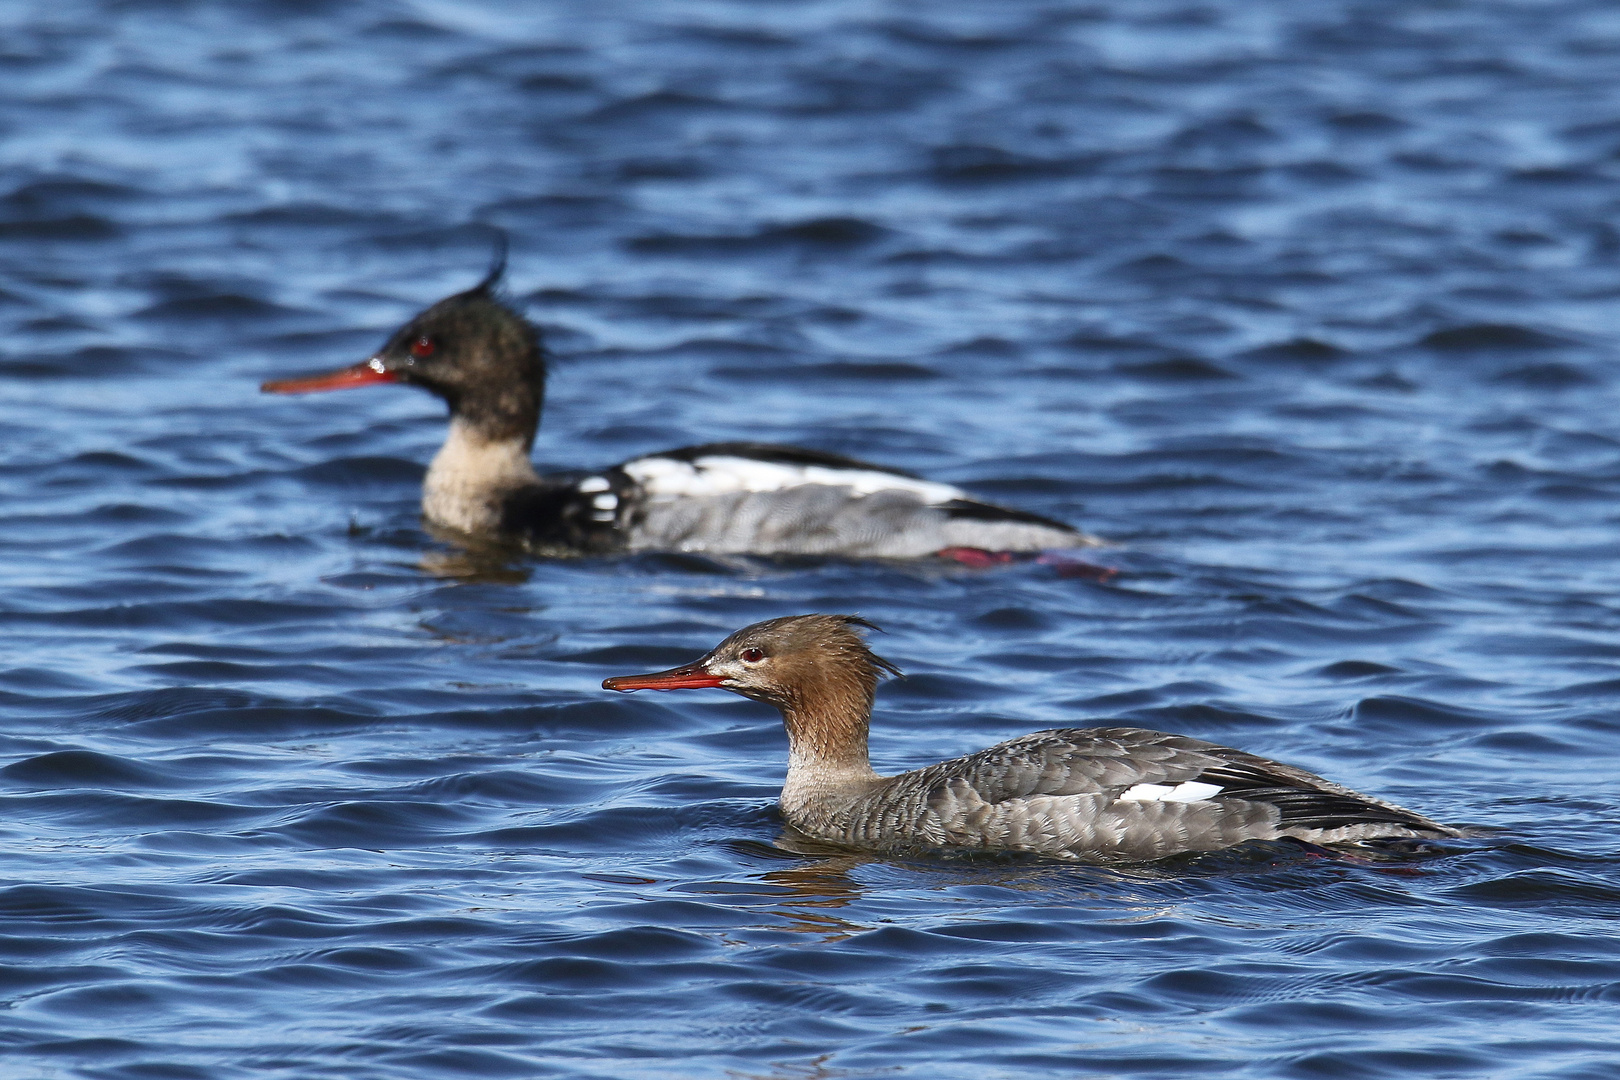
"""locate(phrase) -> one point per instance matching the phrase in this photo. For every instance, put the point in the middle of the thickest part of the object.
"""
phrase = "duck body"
(1104, 794)
(763, 499)
(486, 362)
(1099, 795)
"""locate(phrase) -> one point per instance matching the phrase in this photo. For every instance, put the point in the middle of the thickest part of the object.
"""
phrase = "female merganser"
(486, 362)
(1110, 794)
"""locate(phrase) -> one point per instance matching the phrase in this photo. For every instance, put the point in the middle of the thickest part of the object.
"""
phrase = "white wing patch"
(666, 478)
(1186, 791)
(594, 483)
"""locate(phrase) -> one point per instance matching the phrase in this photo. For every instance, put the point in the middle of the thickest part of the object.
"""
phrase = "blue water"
(1314, 308)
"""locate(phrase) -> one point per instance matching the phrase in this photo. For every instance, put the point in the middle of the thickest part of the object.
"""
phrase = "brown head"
(470, 349)
(816, 668)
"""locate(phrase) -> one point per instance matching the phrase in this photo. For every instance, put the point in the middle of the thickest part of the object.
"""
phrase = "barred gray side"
(821, 519)
(1057, 793)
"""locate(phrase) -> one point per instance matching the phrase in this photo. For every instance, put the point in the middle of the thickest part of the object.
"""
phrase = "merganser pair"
(487, 363)
(1110, 794)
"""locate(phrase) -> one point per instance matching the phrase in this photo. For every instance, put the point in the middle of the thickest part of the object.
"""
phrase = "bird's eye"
(753, 656)
(423, 347)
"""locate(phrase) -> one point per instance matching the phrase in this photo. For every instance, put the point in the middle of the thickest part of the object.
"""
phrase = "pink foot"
(978, 557)
(1061, 564)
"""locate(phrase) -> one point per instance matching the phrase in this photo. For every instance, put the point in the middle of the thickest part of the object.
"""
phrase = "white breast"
(665, 478)
(468, 477)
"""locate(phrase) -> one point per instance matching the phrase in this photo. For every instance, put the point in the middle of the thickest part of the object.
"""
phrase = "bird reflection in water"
(820, 879)
(477, 564)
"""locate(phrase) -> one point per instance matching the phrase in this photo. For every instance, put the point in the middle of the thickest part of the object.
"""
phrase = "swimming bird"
(1103, 794)
(487, 363)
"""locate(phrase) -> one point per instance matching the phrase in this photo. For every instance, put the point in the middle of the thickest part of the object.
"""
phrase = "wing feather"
(1109, 761)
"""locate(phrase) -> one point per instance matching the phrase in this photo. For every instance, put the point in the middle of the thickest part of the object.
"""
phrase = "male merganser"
(487, 363)
(1110, 794)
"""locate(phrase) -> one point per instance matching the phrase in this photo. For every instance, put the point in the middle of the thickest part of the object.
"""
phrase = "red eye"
(753, 656)
(423, 347)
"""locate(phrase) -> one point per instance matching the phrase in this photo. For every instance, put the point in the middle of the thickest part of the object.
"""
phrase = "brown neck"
(827, 721)
(827, 762)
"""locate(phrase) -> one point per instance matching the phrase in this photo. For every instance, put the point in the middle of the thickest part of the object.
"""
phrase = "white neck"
(469, 476)
(816, 788)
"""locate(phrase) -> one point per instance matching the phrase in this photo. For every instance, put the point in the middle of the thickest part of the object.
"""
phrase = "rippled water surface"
(1314, 308)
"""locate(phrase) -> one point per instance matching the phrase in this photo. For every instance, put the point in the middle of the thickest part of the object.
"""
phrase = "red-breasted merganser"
(1110, 794)
(487, 363)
